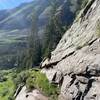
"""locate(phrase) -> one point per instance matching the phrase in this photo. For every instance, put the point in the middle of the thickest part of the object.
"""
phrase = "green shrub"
(21, 78)
(34, 79)
(11, 97)
(30, 84)
(39, 81)
(7, 86)
(5, 92)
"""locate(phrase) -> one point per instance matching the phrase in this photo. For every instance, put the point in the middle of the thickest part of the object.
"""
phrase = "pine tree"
(54, 31)
(33, 54)
(34, 43)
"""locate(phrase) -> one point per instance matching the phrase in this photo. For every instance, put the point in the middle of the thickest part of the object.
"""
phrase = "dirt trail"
(34, 95)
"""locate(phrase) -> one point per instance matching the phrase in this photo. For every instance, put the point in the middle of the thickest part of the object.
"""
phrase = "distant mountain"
(20, 17)
(17, 18)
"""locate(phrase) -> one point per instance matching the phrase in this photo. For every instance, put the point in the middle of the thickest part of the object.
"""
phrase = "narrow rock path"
(34, 95)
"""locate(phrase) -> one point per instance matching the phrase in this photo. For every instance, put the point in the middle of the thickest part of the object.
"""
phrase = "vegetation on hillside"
(10, 80)
(7, 86)
(53, 32)
(39, 81)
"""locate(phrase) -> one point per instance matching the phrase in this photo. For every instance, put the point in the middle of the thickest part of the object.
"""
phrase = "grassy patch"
(33, 79)
(38, 80)
(6, 87)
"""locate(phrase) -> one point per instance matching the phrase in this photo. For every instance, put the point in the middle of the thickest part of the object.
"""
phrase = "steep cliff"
(75, 63)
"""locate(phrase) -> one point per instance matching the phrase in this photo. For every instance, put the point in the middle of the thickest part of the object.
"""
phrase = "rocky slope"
(75, 63)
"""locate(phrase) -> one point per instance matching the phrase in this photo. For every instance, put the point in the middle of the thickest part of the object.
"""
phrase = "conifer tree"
(33, 54)
(53, 32)
(34, 43)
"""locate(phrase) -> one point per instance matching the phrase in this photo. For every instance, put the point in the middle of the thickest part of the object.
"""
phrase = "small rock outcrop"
(75, 63)
(33, 95)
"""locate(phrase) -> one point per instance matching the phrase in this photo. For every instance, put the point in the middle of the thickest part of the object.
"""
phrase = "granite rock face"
(75, 63)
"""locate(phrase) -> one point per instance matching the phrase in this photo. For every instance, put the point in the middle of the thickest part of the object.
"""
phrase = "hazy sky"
(7, 4)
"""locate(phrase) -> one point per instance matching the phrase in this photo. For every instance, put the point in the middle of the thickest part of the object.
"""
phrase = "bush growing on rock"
(21, 78)
(30, 84)
(11, 97)
(34, 79)
(39, 81)
(5, 92)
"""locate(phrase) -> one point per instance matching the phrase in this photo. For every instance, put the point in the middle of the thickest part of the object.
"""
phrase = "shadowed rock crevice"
(88, 7)
(89, 85)
(47, 64)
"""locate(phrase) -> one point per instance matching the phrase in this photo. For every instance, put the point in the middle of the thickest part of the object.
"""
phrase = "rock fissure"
(87, 8)
(89, 85)
(48, 64)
